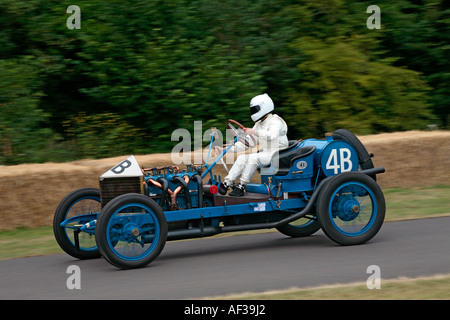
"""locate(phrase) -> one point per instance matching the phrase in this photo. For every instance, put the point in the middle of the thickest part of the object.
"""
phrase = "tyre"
(300, 228)
(351, 208)
(365, 160)
(80, 206)
(131, 231)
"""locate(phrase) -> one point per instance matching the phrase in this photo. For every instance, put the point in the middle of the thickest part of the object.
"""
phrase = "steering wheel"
(238, 130)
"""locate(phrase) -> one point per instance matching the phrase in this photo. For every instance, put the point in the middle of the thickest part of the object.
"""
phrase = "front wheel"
(351, 208)
(131, 231)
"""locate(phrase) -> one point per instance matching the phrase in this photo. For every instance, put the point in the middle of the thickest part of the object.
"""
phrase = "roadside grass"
(417, 203)
(435, 287)
(401, 204)
(28, 242)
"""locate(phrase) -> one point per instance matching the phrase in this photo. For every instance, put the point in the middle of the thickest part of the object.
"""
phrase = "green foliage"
(150, 67)
(22, 135)
(343, 88)
(103, 135)
(419, 36)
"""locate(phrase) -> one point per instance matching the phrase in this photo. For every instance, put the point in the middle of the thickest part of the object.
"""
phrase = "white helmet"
(260, 106)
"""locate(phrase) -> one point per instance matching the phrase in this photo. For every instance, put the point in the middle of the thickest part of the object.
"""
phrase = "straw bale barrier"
(30, 193)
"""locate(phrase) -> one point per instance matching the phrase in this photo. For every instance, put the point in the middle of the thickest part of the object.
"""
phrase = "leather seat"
(286, 157)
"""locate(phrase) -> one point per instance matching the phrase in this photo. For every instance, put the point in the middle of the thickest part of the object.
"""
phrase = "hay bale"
(30, 193)
(412, 158)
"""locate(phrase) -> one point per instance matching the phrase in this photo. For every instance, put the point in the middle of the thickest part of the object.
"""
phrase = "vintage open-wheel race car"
(313, 184)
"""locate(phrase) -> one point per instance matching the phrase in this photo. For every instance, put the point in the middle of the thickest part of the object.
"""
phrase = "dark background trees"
(136, 71)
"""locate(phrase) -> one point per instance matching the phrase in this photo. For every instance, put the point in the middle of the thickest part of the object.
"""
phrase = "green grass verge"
(27, 242)
(432, 288)
(401, 203)
(417, 203)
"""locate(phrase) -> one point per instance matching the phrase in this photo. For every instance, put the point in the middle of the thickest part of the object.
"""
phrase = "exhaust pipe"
(165, 188)
(192, 233)
(197, 178)
(184, 183)
(162, 184)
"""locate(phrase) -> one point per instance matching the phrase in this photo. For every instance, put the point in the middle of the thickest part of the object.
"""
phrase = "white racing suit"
(271, 134)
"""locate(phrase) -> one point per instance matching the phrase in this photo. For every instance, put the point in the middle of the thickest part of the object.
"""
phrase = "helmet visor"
(255, 109)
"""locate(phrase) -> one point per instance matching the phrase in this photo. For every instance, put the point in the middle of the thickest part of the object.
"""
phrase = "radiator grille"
(113, 187)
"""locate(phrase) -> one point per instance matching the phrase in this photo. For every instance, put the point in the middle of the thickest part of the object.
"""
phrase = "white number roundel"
(339, 157)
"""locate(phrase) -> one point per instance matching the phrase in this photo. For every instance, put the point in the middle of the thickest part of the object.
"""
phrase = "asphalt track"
(241, 263)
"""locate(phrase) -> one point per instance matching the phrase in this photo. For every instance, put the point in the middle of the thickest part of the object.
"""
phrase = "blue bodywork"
(286, 192)
(283, 190)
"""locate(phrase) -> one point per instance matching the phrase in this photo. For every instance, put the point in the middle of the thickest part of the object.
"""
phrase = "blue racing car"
(313, 184)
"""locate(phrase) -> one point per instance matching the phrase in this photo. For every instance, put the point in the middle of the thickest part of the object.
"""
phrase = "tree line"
(137, 70)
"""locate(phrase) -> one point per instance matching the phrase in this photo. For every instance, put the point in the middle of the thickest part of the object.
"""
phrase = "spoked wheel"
(76, 209)
(351, 208)
(131, 231)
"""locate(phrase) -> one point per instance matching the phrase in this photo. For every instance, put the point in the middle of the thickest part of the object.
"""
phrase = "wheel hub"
(131, 231)
(346, 208)
(135, 232)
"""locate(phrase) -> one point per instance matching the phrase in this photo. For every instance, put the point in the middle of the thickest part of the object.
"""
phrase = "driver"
(270, 132)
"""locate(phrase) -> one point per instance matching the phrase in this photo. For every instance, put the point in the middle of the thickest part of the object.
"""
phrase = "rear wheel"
(351, 208)
(80, 206)
(131, 231)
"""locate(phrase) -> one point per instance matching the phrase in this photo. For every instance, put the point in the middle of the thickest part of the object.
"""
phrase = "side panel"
(332, 157)
(265, 207)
